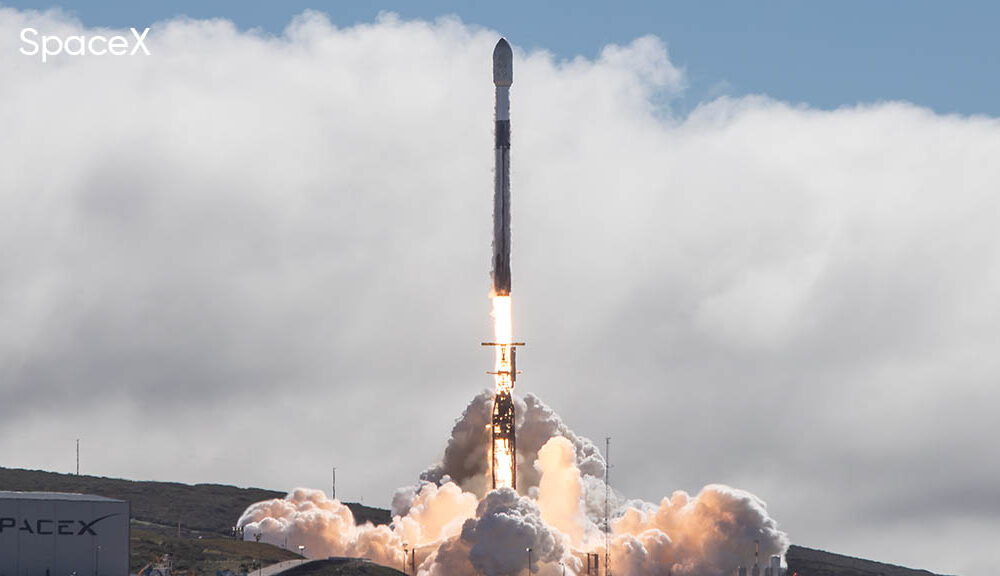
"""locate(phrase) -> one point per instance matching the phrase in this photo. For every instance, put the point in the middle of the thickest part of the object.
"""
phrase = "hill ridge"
(210, 509)
(198, 508)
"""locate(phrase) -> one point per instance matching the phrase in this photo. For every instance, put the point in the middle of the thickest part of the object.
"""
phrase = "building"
(53, 534)
(776, 566)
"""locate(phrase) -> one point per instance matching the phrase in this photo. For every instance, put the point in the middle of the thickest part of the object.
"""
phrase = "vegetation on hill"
(809, 562)
(341, 567)
(202, 544)
(199, 508)
(202, 556)
(192, 523)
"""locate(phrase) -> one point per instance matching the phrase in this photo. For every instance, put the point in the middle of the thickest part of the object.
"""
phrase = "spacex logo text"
(80, 45)
(50, 527)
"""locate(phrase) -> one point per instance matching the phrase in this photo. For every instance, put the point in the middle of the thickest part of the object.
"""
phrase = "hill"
(809, 562)
(206, 513)
(341, 567)
(192, 523)
(200, 556)
(199, 509)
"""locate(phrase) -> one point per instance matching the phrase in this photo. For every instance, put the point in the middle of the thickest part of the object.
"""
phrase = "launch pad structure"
(503, 440)
(502, 429)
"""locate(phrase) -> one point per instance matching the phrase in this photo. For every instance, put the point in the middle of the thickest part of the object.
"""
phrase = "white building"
(52, 534)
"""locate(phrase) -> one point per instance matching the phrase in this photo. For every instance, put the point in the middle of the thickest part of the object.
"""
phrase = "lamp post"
(302, 552)
(256, 538)
(528, 550)
(406, 553)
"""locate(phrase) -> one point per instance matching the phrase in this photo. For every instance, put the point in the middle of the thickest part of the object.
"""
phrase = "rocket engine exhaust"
(503, 450)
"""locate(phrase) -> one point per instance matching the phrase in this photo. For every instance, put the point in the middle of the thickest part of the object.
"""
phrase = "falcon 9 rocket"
(503, 453)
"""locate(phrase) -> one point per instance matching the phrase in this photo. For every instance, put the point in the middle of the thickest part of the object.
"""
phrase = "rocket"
(503, 77)
(503, 441)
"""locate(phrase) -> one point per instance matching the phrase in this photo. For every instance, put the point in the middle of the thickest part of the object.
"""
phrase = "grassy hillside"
(809, 562)
(201, 556)
(341, 567)
(192, 523)
(199, 508)
(207, 512)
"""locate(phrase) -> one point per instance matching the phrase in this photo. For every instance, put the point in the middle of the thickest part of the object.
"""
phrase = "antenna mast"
(607, 506)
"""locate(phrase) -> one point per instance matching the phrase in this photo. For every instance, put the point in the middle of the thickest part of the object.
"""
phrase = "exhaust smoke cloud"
(458, 527)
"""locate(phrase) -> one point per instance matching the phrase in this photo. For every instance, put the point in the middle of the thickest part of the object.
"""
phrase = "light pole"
(256, 538)
(528, 550)
(406, 553)
(302, 552)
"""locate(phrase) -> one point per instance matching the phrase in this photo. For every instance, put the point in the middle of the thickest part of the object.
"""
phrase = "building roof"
(60, 496)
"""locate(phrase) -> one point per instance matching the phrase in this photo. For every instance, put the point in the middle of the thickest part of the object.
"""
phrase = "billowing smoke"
(560, 490)
(710, 533)
(325, 527)
(466, 455)
(458, 527)
(498, 539)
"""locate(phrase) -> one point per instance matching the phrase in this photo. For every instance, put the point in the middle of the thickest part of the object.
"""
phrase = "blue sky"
(942, 55)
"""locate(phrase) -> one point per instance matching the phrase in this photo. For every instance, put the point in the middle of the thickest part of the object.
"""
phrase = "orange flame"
(503, 332)
(504, 462)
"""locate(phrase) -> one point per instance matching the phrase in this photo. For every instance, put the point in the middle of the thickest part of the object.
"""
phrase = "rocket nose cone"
(503, 64)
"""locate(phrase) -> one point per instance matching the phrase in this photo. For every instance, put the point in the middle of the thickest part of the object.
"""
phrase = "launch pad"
(503, 440)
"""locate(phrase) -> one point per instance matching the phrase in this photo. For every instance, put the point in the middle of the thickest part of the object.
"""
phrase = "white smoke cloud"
(505, 528)
(560, 492)
(325, 527)
(436, 514)
(710, 533)
(184, 234)
(466, 458)
(458, 533)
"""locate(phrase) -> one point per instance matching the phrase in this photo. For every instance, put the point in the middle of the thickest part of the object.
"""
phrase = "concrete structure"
(53, 534)
(775, 565)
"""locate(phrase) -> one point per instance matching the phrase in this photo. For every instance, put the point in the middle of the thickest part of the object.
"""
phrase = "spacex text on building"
(49, 526)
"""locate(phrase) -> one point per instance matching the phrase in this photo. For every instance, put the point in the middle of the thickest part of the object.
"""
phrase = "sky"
(936, 54)
(751, 250)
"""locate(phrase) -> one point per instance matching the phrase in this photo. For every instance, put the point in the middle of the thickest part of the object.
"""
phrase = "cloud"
(247, 255)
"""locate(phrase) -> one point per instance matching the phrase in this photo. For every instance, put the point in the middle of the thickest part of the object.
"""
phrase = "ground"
(194, 524)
